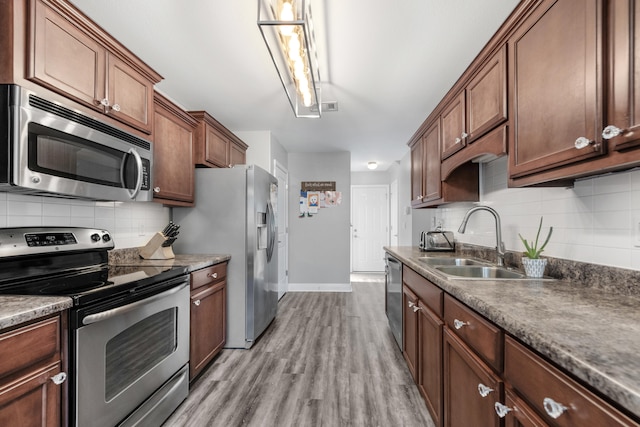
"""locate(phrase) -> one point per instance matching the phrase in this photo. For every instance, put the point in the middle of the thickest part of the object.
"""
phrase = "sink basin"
(449, 261)
(480, 272)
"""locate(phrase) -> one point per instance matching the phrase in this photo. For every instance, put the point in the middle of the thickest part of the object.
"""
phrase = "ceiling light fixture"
(287, 29)
(372, 165)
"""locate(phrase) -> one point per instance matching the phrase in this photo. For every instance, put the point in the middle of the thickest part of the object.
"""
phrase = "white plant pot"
(534, 267)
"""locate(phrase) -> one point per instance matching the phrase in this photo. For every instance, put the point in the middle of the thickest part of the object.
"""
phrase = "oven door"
(124, 354)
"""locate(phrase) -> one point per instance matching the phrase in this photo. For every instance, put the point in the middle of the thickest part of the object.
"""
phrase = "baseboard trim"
(319, 287)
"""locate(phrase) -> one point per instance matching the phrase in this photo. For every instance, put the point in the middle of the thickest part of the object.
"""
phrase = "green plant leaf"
(531, 249)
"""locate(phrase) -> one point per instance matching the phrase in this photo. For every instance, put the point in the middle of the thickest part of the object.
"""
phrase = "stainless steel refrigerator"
(234, 214)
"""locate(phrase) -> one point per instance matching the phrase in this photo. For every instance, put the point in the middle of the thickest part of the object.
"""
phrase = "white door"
(282, 176)
(393, 210)
(370, 226)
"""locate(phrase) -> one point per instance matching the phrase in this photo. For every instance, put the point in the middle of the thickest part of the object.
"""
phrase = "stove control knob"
(95, 237)
(106, 238)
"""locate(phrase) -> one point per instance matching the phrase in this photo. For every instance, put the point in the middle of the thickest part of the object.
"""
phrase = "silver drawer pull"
(611, 131)
(213, 275)
(416, 308)
(459, 323)
(484, 390)
(59, 378)
(197, 303)
(553, 408)
(501, 410)
(411, 304)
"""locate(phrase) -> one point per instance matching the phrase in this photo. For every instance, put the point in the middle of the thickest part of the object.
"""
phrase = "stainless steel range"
(129, 326)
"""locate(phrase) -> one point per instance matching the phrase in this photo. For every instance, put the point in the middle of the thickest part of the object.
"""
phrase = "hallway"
(327, 359)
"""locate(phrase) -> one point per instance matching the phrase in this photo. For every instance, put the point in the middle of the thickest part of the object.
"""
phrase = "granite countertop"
(16, 309)
(131, 257)
(591, 333)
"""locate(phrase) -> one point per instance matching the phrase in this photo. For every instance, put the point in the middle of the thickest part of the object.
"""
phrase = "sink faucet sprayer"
(499, 245)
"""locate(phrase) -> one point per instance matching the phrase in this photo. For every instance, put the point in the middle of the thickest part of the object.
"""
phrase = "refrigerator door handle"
(271, 231)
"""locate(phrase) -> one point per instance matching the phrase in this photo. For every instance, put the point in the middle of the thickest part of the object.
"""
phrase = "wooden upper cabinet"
(432, 185)
(72, 56)
(453, 122)
(487, 96)
(173, 170)
(417, 165)
(215, 145)
(555, 86)
(624, 73)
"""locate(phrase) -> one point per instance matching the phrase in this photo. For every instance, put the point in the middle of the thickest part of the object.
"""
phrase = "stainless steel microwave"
(47, 148)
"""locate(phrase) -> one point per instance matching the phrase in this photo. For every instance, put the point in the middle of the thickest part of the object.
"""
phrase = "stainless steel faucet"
(499, 245)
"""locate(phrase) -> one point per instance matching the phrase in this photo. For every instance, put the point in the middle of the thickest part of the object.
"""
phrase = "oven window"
(67, 156)
(137, 349)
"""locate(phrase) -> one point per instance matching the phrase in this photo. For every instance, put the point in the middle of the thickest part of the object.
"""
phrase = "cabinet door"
(431, 164)
(410, 331)
(624, 72)
(417, 164)
(464, 372)
(487, 96)
(217, 148)
(130, 95)
(237, 155)
(33, 400)
(172, 154)
(65, 59)
(453, 121)
(556, 86)
(520, 414)
(208, 327)
(430, 361)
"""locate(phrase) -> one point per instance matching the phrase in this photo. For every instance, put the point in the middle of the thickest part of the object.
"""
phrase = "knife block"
(154, 249)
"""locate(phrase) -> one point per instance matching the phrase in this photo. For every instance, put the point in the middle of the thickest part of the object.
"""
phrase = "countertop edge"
(18, 309)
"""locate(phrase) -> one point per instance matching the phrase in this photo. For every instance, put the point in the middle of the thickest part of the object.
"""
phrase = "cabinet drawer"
(208, 275)
(427, 292)
(479, 334)
(536, 381)
(29, 345)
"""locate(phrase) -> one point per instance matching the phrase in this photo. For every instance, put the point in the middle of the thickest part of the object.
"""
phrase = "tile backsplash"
(131, 224)
(596, 221)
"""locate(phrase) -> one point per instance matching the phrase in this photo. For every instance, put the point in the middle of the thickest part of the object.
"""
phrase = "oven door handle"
(104, 315)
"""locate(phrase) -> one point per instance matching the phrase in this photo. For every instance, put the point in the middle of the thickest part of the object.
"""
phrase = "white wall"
(263, 149)
(596, 221)
(319, 247)
(131, 224)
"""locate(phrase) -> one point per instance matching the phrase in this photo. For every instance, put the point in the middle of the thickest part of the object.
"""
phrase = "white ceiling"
(387, 64)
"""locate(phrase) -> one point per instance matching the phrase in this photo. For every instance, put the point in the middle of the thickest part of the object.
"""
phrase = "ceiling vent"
(327, 107)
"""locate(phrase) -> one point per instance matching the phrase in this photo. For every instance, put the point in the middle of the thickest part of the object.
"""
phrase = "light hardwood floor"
(328, 359)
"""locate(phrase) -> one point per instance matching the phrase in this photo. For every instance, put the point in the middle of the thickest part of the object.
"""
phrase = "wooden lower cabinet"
(464, 375)
(430, 328)
(519, 413)
(32, 383)
(410, 330)
(208, 316)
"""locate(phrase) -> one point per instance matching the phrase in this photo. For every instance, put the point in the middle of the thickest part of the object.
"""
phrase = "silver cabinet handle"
(59, 378)
(611, 131)
(416, 308)
(464, 135)
(483, 390)
(197, 303)
(553, 408)
(156, 189)
(583, 142)
(411, 304)
(458, 141)
(501, 410)
(104, 102)
(459, 323)
(213, 275)
(115, 107)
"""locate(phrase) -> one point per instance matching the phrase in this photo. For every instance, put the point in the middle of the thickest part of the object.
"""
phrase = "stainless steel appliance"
(129, 326)
(393, 296)
(234, 214)
(50, 149)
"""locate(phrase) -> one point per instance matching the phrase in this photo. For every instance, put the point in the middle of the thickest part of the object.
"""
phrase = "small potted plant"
(534, 265)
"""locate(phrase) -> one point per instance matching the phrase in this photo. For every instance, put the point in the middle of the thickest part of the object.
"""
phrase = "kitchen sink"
(480, 272)
(434, 261)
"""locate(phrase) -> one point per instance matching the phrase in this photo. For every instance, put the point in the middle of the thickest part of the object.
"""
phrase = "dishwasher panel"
(393, 296)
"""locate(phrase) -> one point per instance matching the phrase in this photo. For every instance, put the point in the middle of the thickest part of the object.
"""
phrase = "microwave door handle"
(134, 193)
